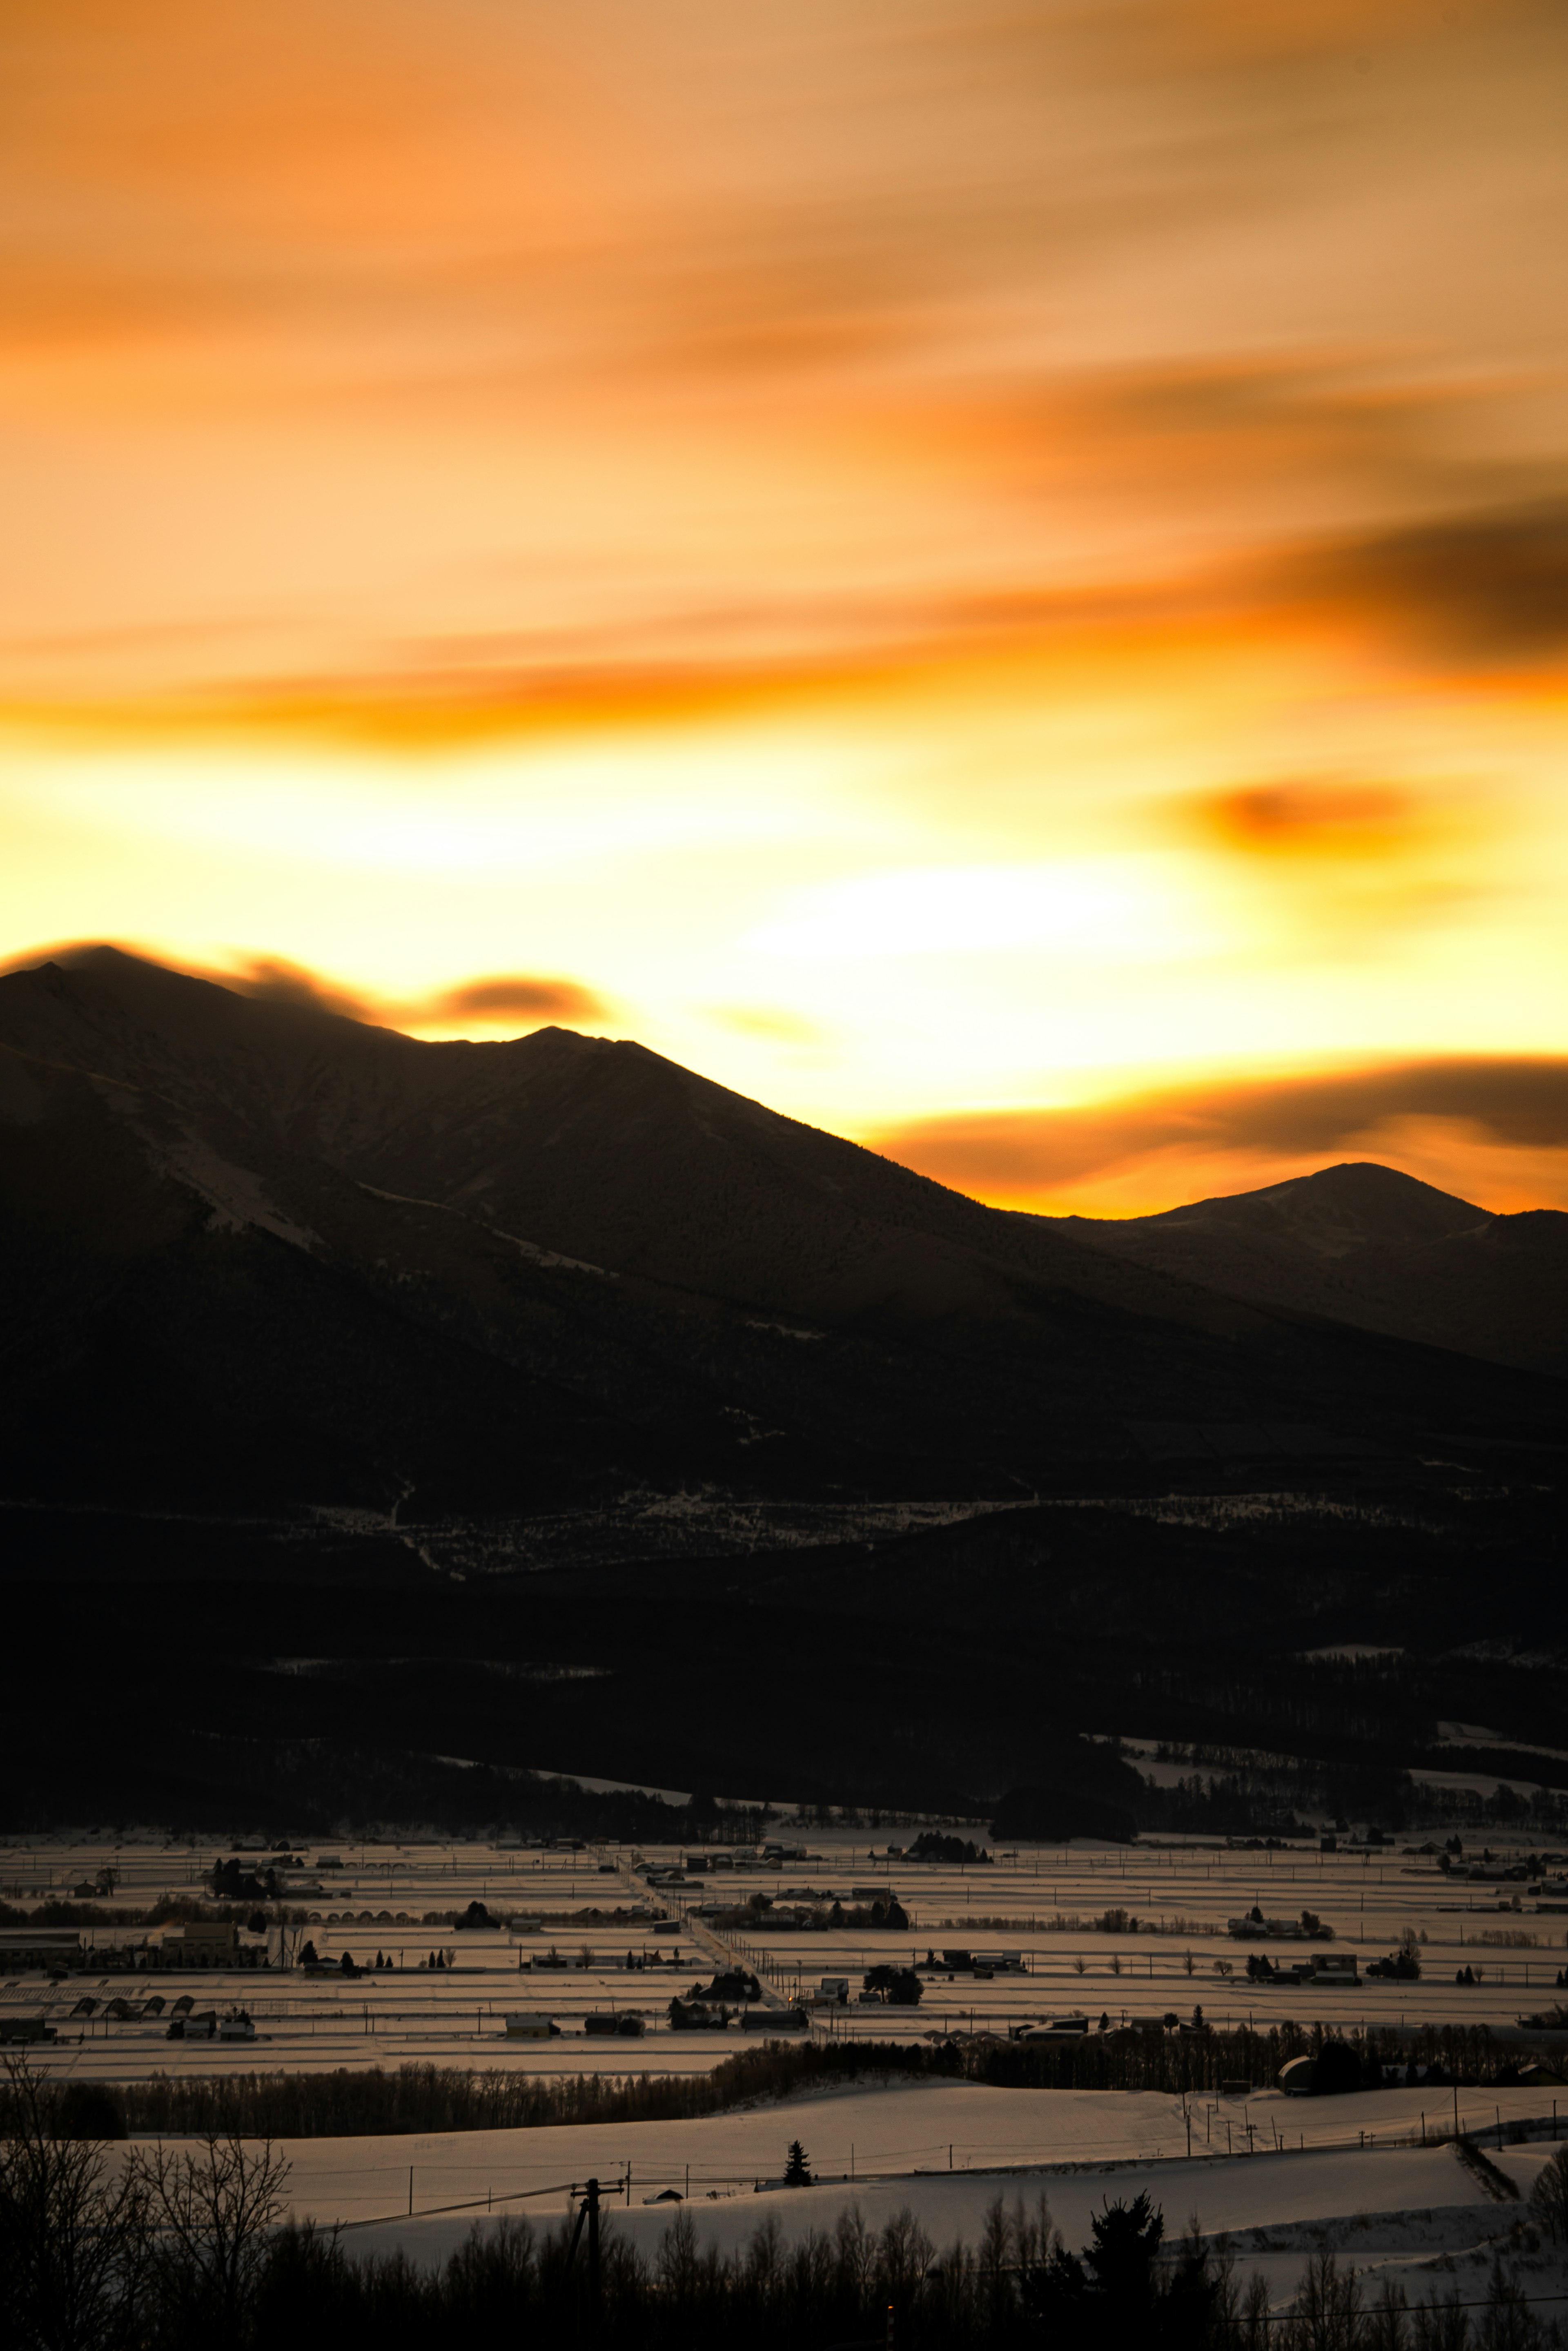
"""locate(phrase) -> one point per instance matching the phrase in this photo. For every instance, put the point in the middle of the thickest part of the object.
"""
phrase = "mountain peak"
(1337, 1208)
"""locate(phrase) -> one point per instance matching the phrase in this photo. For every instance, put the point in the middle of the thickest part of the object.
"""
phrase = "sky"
(993, 576)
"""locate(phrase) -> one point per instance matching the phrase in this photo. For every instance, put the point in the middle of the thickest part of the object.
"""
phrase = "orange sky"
(996, 576)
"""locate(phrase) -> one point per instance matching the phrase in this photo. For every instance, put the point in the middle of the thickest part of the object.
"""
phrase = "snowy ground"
(899, 2132)
(1416, 2213)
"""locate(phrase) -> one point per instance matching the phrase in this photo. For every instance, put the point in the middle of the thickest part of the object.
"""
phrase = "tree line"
(424, 2097)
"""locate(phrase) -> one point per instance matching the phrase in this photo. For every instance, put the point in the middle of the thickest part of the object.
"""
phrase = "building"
(1256, 1929)
(18, 2029)
(204, 1944)
(1324, 1968)
(23, 1948)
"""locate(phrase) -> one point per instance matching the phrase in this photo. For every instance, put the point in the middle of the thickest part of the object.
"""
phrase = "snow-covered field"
(953, 2128)
(1046, 1904)
(1419, 2212)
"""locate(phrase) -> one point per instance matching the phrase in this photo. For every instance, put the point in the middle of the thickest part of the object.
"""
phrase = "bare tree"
(1327, 2314)
(678, 2264)
(73, 2233)
(1387, 2326)
(856, 2248)
(212, 2216)
(1440, 2322)
(1252, 2321)
(765, 2255)
(905, 2253)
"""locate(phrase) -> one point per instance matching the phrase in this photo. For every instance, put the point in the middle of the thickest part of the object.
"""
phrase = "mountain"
(380, 1420)
(1375, 1247)
(258, 1257)
(601, 1152)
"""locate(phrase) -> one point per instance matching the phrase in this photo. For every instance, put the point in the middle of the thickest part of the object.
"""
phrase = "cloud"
(769, 1022)
(415, 318)
(1483, 591)
(1475, 595)
(1151, 1149)
(291, 983)
(514, 996)
(1311, 816)
(530, 999)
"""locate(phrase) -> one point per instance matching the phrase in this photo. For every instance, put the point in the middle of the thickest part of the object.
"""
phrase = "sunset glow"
(995, 579)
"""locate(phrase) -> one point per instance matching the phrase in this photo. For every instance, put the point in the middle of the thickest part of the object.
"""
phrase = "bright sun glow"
(937, 566)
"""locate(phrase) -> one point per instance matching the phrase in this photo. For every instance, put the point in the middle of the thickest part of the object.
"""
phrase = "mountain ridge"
(479, 1127)
(1372, 1246)
(545, 1273)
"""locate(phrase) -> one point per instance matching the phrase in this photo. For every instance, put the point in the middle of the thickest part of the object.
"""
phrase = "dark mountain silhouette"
(314, 1336)
(260, 1257)
(1375, 1247)
(602, 1152)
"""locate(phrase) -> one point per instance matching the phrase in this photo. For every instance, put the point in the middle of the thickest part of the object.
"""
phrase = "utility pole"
(592, 2258)
(588, 2211)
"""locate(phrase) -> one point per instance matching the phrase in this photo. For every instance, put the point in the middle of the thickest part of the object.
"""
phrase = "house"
(532, 2028)
(207, 1944)
(1323, 1968)
(1255, 1928)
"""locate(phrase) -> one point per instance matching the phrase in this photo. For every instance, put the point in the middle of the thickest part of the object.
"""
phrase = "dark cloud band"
(1518, 1101)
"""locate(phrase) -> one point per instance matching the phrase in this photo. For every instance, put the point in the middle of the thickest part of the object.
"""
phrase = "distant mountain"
(256, 1257)
(1375, 1247)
